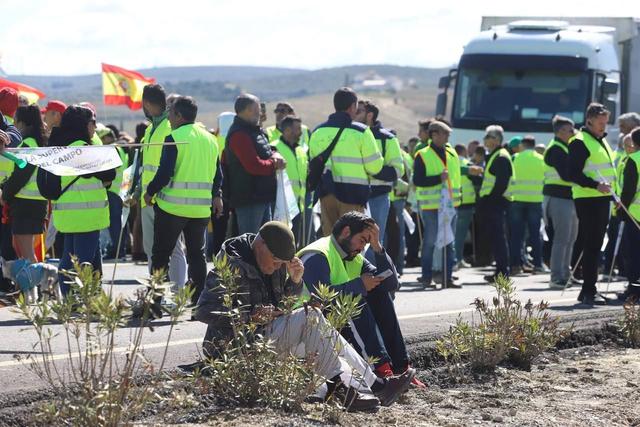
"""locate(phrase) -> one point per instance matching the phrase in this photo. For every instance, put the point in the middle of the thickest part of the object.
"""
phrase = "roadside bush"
(94, 385)
(249, 372)
(506, 330)
(629, 323)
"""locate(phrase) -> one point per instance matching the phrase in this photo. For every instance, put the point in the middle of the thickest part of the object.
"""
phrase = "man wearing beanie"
(268, 272)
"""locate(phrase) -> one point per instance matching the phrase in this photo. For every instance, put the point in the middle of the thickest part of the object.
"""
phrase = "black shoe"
(352, 400)
(591, 300)
(452, 285)
(394, 386)
(156, 309)
(490, 278)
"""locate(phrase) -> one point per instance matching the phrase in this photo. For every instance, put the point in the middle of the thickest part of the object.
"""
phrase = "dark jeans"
(630, 245)
(7, 252)
(612, 234)
(525, 215)
(593, 217)
(377, 331)
(85, 246)
(115, 226)
(166, 230)
(493, 216)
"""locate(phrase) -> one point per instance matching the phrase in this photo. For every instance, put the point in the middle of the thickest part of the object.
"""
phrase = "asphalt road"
(422, 313)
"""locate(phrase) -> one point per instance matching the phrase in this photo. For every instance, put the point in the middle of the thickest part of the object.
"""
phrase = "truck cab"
(521, 74)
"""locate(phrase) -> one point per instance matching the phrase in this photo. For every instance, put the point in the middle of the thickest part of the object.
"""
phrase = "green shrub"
(92, 384)
(506, 330)
(629, 323)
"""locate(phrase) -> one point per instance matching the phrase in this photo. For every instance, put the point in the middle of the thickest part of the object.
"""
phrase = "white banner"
(286, 204)
(71, 161)
(446, 213)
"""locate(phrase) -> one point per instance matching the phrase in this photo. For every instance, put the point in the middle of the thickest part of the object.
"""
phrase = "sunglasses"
(282, 111)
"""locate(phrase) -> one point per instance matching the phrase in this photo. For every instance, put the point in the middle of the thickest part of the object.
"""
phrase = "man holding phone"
(337, 260)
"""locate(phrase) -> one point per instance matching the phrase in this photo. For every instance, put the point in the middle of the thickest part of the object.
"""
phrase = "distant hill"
(405, 94)
(223, 83)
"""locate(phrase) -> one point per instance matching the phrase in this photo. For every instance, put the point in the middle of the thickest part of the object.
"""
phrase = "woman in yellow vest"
(630, 198)
(27, 208)
(80, 205)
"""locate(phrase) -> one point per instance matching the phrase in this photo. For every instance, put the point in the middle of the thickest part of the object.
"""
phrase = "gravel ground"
(589, 380)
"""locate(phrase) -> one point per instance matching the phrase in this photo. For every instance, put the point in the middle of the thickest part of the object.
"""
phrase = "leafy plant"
(629, 323)
(507, 330)
(93, 385)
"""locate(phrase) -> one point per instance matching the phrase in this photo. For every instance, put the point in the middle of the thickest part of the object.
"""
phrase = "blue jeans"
(398, 207)
(521, 215)
(465, 215)
(251, 217)
(86, 246)
(379, 207)
(430, 221)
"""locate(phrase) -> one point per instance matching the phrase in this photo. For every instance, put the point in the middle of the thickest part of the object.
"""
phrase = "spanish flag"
(123, 87)
(32, 94)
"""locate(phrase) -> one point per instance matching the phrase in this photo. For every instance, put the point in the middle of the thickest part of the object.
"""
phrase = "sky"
(60, 37)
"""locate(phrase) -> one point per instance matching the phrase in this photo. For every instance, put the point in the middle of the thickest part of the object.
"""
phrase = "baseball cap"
(55, 105)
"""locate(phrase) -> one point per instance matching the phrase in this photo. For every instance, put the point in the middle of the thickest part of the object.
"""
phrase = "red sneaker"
(384, 370)
(416, 383)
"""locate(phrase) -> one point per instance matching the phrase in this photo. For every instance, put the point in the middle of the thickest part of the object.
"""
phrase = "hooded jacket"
(254, 288)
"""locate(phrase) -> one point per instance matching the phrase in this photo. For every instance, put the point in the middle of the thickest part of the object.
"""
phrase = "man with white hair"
(495, 197)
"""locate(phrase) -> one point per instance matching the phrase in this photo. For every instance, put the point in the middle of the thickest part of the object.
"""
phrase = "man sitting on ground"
(337, 260)
(268, 273)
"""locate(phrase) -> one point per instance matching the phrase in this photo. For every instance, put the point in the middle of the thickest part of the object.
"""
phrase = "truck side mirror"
(441, 104)
(612, 106)
(444, 82)
(609, 87)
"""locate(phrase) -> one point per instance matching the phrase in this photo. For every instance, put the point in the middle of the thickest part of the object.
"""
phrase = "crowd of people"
(199, 193)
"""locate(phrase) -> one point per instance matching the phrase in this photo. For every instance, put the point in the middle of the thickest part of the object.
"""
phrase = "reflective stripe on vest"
(151, 153)
(340, 271)
(529, 165)
(189, 192)
(84, 205)
(489, 180)
(429, 197)
(634, 208)
(467, 190)
(599, 165)
(30, 189)
(551, 175)
(297, 168)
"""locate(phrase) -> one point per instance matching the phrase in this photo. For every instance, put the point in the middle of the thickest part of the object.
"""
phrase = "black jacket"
(254, 288)
(240, 187)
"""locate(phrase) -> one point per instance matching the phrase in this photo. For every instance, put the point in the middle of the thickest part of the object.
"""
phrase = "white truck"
(520, 72)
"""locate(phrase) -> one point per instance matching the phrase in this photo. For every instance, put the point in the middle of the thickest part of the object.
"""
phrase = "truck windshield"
(521, 100)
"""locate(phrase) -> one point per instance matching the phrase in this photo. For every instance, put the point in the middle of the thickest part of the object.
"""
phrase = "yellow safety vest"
(489, 180)
(151, 153)
(188, 194)
(466, 185)
(551, 175)
(117, 182)
(599, 165)
(297, 168)
(528, 168)
(83, 207)
(30, 190)
(429, 197)
(634, 208)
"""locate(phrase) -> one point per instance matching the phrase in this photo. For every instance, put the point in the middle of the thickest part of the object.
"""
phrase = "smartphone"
(384, 274)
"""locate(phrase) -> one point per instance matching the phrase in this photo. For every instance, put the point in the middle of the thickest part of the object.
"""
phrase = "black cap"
(279, 239)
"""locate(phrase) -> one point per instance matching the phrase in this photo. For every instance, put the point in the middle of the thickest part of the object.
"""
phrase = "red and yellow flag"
(123, 87)
(32, 94)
